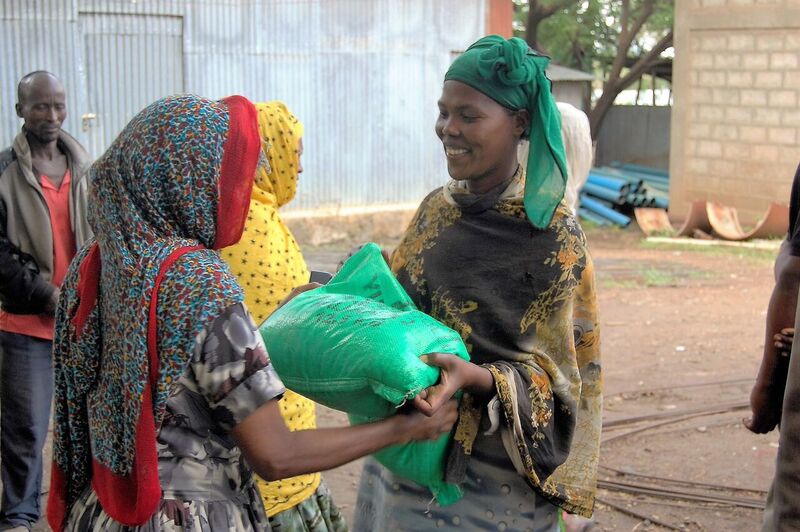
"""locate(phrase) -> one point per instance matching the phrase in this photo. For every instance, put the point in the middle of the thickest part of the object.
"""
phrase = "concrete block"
(702, 60)
(755, 61)
(699, 131)
(789, 155)
(790, 117)
(791, 40)
(725, 96)
(768, 80)
(783, 60)
(741, 42)
(782, 135)
(753, 97)
(738, 115)
(785, 98)
(713, 42)
(770, 42)
(740, 79)
(764, 152)
(697, 165)
(726, 61)
(721, 167)
(708, 148)
(725, 133)
(791, 79)
(711, 79)
(766, 117)
(709, 113)
(735, 150)
(703, 95)
(752, 133)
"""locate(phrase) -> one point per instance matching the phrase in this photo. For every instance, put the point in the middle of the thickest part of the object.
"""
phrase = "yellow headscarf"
(268, 263)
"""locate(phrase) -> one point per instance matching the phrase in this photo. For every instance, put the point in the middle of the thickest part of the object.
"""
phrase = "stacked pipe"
(612, 192)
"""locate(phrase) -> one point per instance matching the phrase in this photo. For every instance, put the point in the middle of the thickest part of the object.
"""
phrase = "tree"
(620, 40)
(537, 12)
(624, 68)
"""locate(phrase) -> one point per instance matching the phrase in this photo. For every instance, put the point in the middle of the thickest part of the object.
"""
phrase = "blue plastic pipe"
(592, 217)
(634, 181)
(605, 193)
(614, 183)
(598, 208)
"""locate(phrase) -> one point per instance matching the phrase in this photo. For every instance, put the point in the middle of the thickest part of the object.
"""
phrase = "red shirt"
(57, 200)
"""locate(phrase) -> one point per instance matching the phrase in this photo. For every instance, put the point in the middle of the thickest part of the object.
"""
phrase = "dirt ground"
(682, 334)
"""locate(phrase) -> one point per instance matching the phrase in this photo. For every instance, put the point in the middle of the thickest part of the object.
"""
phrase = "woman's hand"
(419, 427)
(783, 341)
(297, 291)
(456, 374)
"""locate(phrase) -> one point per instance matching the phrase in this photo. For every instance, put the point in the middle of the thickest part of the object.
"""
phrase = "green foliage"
(583, 34)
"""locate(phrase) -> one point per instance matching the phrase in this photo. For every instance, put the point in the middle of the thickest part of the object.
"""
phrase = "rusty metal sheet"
(725, 222)
(653, 221)
(697, 219)
(774, 224)
(722, 221)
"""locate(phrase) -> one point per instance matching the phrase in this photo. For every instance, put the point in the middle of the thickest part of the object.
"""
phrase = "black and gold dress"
(523, 299)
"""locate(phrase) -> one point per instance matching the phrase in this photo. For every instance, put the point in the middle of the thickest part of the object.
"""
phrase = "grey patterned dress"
(206, 484)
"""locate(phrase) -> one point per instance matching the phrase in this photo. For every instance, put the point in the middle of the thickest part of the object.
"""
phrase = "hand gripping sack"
(354, 345)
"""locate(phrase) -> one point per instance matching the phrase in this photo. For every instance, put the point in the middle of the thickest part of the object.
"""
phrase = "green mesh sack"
(354, 345)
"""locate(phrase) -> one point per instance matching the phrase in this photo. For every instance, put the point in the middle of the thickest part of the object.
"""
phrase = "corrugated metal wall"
(363, 75)
(635, 134)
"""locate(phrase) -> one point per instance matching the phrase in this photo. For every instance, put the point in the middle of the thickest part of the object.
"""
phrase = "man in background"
(43, 185)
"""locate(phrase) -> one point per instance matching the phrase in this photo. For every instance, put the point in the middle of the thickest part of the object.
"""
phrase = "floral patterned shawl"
(523, 300)
(179, 175)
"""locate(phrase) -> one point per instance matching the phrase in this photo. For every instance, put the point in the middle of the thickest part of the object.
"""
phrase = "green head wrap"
(512, 74)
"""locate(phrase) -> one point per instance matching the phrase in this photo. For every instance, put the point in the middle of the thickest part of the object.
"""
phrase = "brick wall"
(736, 119)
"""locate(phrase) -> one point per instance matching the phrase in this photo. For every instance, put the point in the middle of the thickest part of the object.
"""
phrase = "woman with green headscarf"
(496, 255)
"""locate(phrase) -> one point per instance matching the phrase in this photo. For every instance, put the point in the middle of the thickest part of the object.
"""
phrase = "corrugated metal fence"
(635, 134)
(363, 75)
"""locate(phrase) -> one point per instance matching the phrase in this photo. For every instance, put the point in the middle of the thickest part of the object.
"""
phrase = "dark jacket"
(26, 237)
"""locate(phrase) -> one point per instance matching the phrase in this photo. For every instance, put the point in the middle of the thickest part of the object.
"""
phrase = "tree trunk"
(600, 109)
(537, 12)
(616, 82)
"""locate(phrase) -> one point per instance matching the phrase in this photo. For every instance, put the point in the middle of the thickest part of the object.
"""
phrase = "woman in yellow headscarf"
(268, 263)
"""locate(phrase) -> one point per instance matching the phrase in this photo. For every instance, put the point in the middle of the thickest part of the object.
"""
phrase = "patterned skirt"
(317, 513)
(244, 515)
(496, 497)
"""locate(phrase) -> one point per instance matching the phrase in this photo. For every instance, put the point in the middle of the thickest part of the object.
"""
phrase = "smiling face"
(479, 136)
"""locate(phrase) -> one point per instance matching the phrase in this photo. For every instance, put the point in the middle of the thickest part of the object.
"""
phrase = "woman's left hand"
(456, 374)
(784, 340)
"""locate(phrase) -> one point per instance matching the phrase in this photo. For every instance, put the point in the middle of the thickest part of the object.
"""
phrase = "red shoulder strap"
(152, 321)
(133, 499)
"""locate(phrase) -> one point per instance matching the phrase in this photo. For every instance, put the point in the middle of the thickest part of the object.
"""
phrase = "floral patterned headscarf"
(178, 177)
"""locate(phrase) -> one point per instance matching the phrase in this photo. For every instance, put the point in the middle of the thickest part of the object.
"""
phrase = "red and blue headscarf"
(178, 177)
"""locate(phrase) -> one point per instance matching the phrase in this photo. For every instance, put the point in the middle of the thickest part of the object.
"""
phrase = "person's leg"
(768, 521)
(783, 510)
(26, 392)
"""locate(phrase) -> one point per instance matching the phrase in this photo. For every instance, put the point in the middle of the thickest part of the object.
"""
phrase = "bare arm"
(274, 452)
(766, 397)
